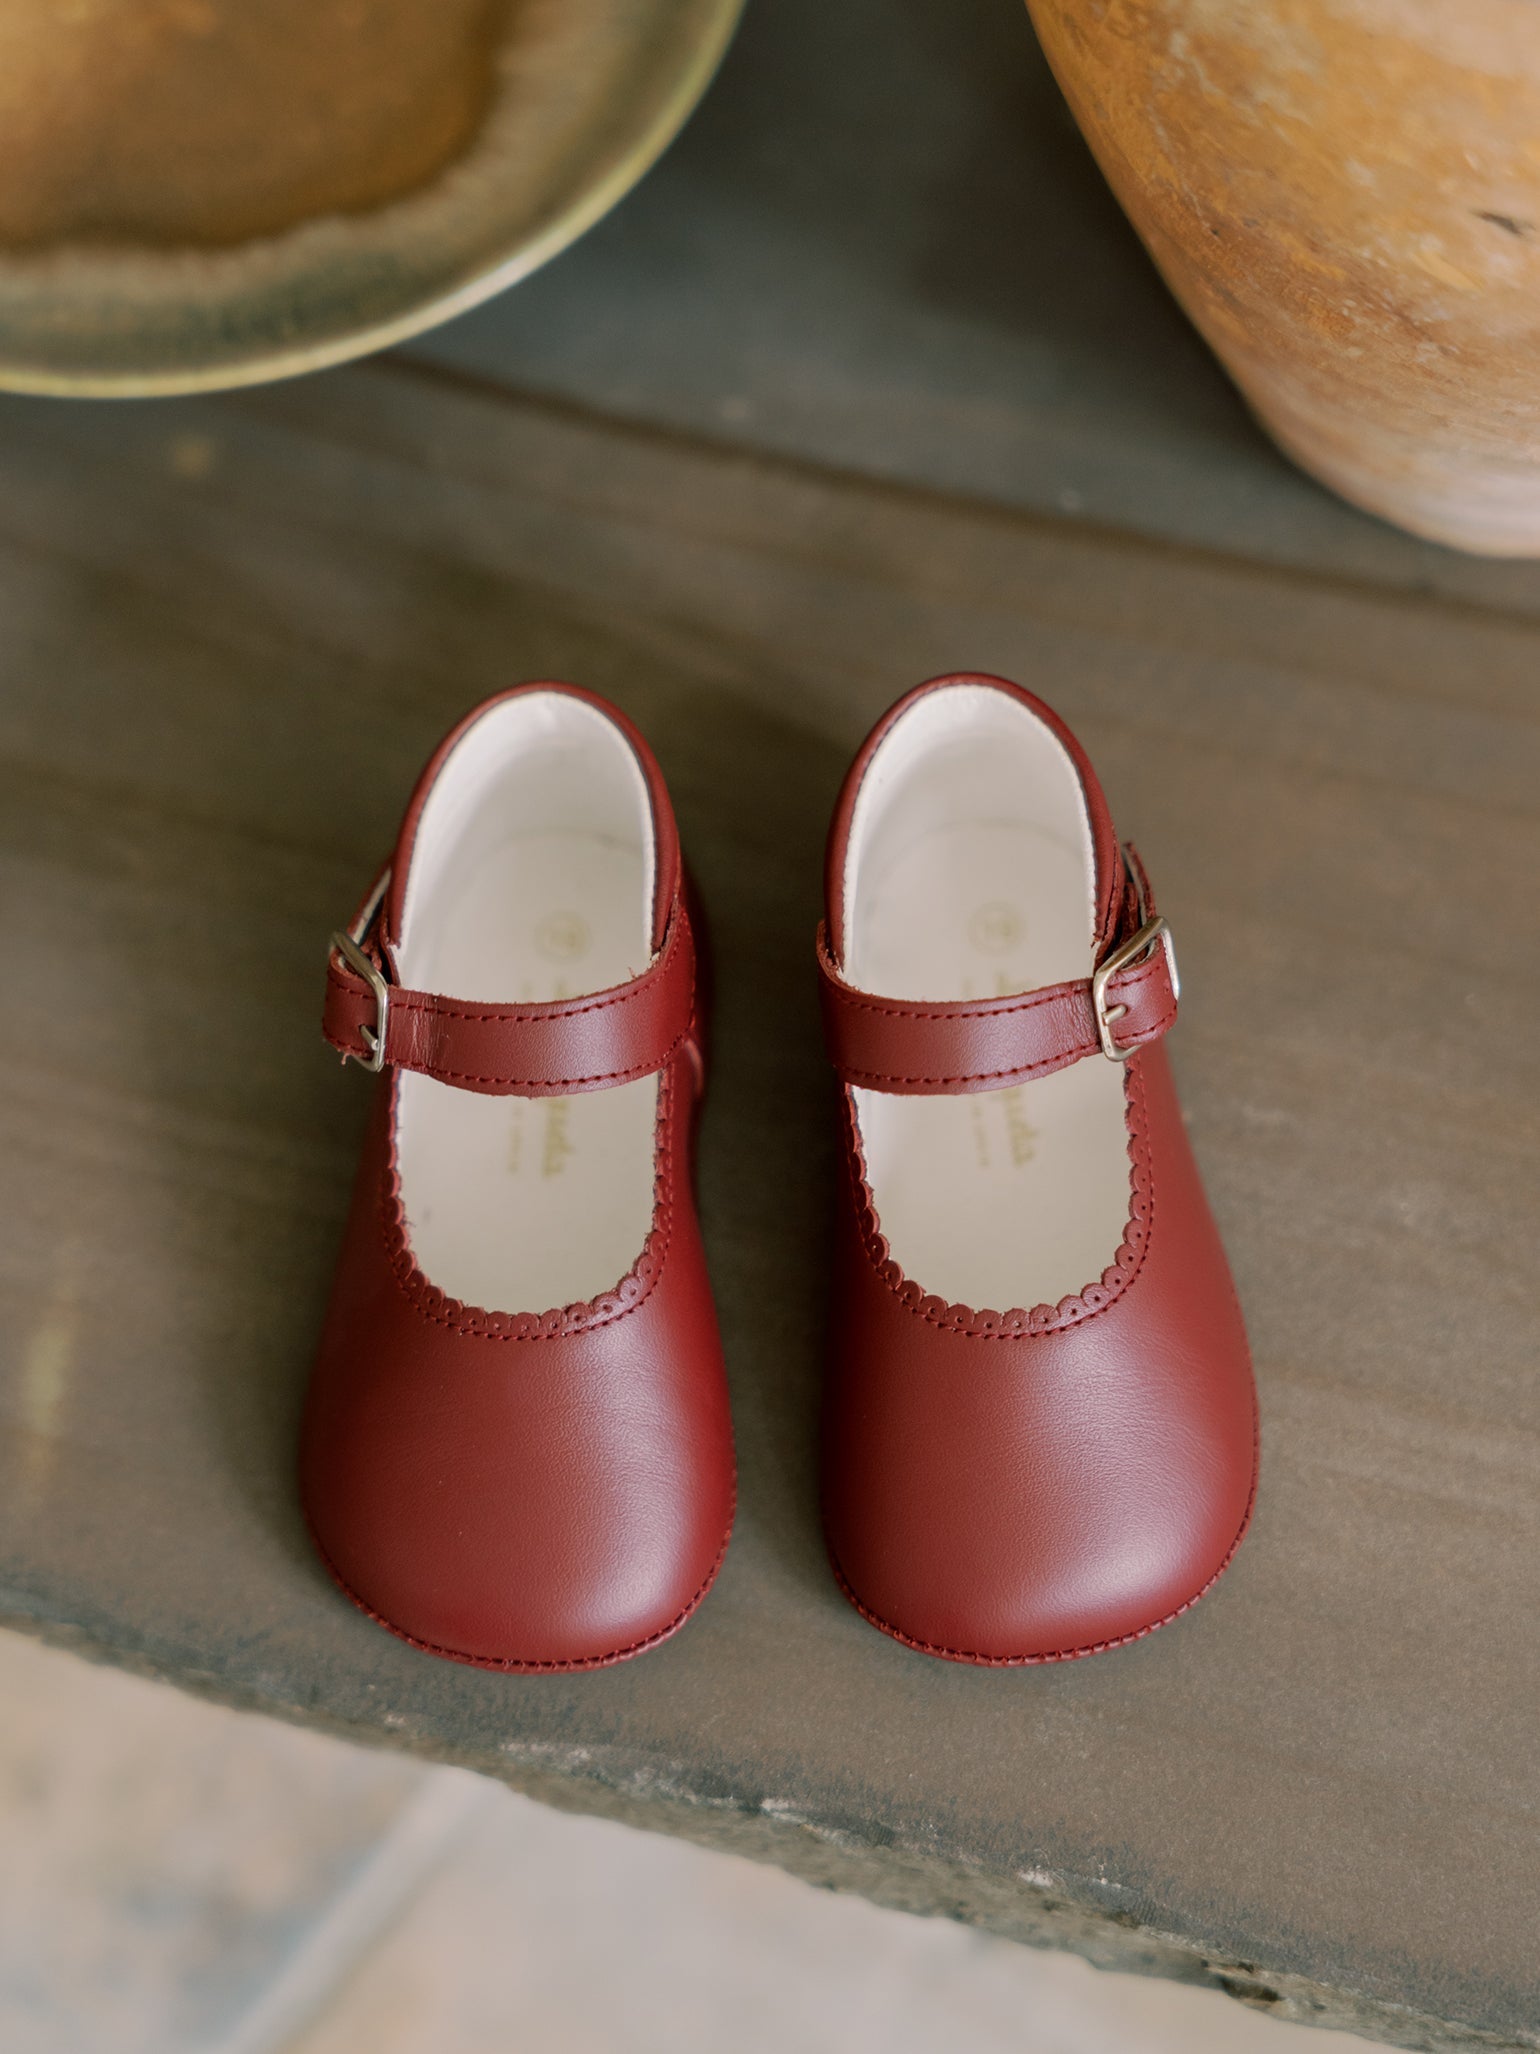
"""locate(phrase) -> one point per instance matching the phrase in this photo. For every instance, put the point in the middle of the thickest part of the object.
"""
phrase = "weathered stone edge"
(1026, 1908)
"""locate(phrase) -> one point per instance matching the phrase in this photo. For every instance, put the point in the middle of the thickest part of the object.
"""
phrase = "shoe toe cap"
(1041, 1499)
(537, 1508)
(1075, 1563)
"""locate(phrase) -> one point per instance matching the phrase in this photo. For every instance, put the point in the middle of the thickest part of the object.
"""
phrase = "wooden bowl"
(203, 193)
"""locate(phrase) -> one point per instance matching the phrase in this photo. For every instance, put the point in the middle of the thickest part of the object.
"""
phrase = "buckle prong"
(347, 943)
(1154, 933)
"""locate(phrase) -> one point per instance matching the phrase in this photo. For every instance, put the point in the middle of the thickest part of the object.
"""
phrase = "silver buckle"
(346, 942)
(1137, 945)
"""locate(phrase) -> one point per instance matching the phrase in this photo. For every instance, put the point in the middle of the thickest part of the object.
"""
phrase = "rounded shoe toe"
(528, 1544)
(997, 1494)
(516, 1496)
(1046, 1541)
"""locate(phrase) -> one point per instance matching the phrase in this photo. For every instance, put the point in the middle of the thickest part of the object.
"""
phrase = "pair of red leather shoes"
(532, 1489)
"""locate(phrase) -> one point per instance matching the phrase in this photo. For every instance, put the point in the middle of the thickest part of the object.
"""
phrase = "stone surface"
(579, 1934)
(183, 1879)
(173, 1874)
(231, 630)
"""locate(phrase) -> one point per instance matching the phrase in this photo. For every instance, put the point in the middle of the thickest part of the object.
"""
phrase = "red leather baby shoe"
(1041, 1436)
(517, 1450)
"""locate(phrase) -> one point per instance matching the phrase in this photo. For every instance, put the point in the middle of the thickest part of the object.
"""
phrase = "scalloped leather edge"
(1017, 1323)
(583, 1315)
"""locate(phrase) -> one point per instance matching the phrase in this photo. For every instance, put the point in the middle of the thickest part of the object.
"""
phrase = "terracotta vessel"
(1345, 196)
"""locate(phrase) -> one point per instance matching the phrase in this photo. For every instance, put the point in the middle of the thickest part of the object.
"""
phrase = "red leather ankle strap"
(915, 1046)
(546, 1050)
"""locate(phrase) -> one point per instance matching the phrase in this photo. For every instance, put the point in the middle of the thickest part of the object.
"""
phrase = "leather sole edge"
(979, 1660)
(512, 1665)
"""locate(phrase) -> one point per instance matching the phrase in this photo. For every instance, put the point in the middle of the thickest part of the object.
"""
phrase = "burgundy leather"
(532, 1051)
(1017, 1485)
(908, 1046)
(541, 1489)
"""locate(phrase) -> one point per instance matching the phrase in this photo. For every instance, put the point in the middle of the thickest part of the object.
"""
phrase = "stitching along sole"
(1068, 1654)
(514, 1665)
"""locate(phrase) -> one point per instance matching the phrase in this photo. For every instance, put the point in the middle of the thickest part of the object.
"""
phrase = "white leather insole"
(1002, 1199)
(527, 1204)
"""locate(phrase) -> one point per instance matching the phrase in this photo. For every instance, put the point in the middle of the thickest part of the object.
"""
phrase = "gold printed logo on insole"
(563, 937)
(996, 927)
